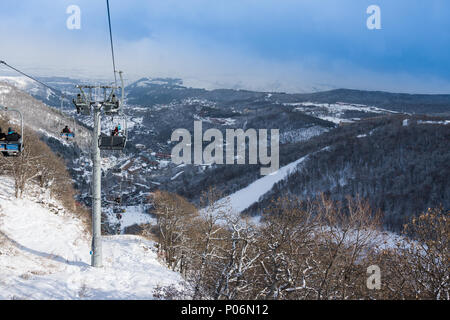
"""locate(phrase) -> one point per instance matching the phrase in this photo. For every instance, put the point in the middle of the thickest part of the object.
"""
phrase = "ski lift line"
(57, 92)
(112, 44)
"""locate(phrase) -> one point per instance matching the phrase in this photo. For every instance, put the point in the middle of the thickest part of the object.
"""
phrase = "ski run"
(44, 255)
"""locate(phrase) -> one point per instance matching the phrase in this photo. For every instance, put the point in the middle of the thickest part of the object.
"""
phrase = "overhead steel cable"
(112, 44)
(57, 92)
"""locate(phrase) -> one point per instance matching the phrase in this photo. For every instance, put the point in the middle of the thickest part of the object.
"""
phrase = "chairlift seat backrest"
(84, 109)
(82, 106)
(112, 142)
(111, 108)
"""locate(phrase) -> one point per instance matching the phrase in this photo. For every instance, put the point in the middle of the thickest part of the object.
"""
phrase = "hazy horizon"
(267, 45)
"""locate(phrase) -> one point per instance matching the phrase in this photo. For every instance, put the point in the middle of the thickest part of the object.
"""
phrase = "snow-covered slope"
(44, 255)
(244, 198)
(21, 83)
(39, 117)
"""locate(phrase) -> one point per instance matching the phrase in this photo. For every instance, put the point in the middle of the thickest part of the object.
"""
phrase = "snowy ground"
(335, 112)
(244, 198)
(133, 215)
(46, 256)
(21, 83)
(446, 122)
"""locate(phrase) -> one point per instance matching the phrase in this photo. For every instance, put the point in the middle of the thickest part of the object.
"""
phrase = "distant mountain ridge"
(154, 91)
(401, 102)
(155, 107)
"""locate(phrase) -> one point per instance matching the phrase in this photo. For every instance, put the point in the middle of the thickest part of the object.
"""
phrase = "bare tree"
(419, 265)
(23, 168)
(205, 238)
(287, 242)
(343, 237)
(238, 254)
(302, 250)
(174, 215)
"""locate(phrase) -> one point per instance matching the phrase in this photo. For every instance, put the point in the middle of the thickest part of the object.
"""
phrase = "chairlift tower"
(85, 103)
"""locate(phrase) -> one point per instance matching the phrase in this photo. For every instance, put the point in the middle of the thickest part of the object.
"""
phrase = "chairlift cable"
(112, 44)
(57, 92)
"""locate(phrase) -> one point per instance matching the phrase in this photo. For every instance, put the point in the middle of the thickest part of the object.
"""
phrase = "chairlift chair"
(115, 142)
(67, 133)
(12, 148)
(112, 142)
(82, 105)
(111, 106)
(68, 136)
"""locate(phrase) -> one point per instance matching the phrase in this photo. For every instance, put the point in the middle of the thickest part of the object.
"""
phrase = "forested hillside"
(402, 168)
(400, 102)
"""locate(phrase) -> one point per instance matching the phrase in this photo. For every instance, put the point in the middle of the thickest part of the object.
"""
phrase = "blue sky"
(279, 45)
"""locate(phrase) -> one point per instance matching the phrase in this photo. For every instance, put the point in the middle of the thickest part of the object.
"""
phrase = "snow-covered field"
(335, 112)
(303, 134)
(44, 255)
(446, 122)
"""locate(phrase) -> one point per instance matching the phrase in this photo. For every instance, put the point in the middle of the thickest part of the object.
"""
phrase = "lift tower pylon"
(85, 104)
(96, 257)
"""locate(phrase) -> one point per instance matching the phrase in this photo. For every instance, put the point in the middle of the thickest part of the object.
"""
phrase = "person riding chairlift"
(78, 102)
(115, 101)
(116, 131)
(12, 135)
(66, 130)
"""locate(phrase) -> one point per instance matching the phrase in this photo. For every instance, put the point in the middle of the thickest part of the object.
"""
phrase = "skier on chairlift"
(12, 135)
(116, 130)
(115, 101)
(66, 130)
(77, 102)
